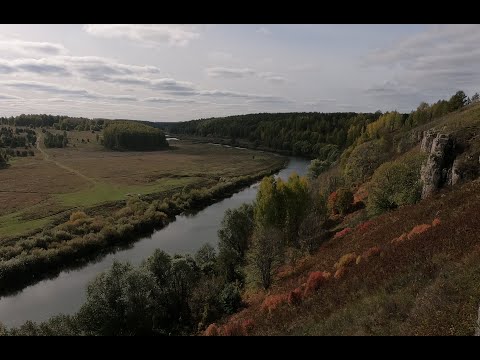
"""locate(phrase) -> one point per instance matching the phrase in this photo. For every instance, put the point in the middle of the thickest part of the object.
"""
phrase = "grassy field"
(34, 190)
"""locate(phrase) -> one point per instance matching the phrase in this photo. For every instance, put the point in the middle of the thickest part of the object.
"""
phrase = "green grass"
(102, 192)
(13, 224)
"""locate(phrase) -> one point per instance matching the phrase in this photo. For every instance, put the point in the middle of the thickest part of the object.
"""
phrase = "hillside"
(413, 270)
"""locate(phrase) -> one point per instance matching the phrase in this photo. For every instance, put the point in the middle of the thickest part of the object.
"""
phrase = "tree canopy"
(130, 135)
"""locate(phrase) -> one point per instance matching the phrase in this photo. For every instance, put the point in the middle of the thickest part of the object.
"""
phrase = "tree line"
(304, 134)
(58, 122)
(130, 135)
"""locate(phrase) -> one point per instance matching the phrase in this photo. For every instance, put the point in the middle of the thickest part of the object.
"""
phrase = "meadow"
(38, 190)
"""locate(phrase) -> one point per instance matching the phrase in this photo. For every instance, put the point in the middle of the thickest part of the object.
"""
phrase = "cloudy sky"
(183, 72)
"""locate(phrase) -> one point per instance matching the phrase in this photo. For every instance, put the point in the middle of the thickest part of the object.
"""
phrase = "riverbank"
(84, 238)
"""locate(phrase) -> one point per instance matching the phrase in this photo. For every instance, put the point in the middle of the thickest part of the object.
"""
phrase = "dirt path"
(46, 157)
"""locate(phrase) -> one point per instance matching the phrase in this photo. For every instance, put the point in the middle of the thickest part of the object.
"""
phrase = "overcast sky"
(183, 72)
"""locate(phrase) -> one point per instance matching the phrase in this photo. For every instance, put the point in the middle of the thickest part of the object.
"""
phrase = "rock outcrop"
(440, 168)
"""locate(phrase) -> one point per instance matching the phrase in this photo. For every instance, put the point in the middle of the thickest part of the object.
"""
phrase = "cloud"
(263, 30)
(30, 48)
(89, 67)
(222, 72)
(38, 66)
(239, 95)
(62, 90)
(162, 100)
(272, 77)
(232, 73)
(319, 102)
(443, 58)
(220, 56)
(9, 97)
(145, 34)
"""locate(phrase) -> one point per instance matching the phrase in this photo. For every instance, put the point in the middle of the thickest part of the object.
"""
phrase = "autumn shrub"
(295, 296)
(363, 227)
(272, 302)
(340, 272)
(436, 222)
(234, 328)
(248, 325)
(342, 233)
(400, 239)
(346, 260)
(373, 251)
(315, 281)
(77, 215)
(212, 330)
(417, 230)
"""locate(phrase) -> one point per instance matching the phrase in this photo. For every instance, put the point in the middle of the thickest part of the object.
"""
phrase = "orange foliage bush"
(340, 272)
(346, 260)
(436, 222)
(315, 280)
(342, 233)
(212, 330)
(295, 296)
(372, 252)
(399, 239)
(419, 229)
(272, 302)
(363, 227)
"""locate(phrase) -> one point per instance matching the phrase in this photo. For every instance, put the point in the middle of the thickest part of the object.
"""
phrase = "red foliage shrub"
(342, 233)
(373, 251)
(248, 325)
(212, 330)
(340, 272)
(346, 260)
(436, 222)
(419, 229)
(399, 239)
(234, 328)
(272, 302)
(363, 227)
(315, 280)
(295, 296)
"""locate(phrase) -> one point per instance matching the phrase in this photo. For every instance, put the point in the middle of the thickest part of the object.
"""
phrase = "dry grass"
(427, 285)
(33, 188)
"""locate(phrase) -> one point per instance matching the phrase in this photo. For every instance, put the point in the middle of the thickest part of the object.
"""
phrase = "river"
(67, 292)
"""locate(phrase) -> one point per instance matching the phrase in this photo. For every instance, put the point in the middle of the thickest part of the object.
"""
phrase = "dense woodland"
(315, 135)
(129, 135)
(58, 122)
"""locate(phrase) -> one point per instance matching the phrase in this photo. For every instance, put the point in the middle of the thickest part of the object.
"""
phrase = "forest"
(129, 135)
(314, 135)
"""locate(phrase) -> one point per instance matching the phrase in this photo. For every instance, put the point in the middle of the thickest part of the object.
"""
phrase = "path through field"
(46, 157)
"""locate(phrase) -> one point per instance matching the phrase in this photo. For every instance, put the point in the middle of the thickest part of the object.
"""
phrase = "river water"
(67, 292)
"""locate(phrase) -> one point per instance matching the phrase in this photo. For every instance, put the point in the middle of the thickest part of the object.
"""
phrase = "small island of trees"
(125, 135)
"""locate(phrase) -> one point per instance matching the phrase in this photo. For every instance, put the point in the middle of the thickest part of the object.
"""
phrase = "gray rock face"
(438, 169)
